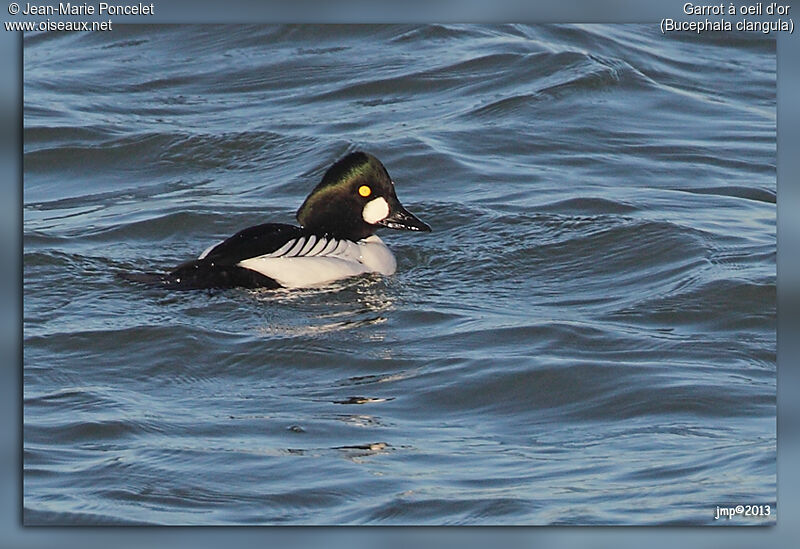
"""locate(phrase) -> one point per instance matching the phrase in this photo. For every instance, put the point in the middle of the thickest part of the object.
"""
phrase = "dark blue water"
(587, 337)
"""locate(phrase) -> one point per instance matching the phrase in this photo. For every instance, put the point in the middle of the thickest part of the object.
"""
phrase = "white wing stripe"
(306, 249)
(341, 246)
(312, 246)
(329, 246)
(282, 250)
(320, 245)
(208, 250)
(298, 245)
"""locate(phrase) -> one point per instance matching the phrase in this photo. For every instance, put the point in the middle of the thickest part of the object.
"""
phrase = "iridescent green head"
(355, 197)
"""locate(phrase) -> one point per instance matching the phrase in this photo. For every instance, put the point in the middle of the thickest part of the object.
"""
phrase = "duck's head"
(355, 198)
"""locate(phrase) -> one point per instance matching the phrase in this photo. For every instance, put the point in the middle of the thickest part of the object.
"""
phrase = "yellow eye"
(364, 191)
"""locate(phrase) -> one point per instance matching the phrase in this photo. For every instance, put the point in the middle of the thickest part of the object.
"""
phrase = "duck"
(335, 238)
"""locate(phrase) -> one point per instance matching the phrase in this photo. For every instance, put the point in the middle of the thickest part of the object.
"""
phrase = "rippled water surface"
(587, 337)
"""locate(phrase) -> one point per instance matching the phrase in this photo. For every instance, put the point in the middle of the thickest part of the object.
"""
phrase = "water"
(587, 337)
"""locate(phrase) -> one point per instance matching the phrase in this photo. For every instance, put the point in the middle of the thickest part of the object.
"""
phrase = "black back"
(252, 242)
(218, 268)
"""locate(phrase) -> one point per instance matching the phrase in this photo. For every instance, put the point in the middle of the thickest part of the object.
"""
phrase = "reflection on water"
(362, 298)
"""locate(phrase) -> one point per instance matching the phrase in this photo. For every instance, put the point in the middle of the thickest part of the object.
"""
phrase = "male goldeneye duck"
(335, 240)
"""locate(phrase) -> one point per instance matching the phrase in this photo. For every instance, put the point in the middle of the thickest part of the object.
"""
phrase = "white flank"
(375, 210)
(332, 262)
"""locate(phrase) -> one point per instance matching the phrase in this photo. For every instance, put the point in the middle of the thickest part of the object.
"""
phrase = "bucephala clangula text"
(335, 240)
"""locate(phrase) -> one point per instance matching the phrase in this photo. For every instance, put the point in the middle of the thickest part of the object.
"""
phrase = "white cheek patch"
(375, 210)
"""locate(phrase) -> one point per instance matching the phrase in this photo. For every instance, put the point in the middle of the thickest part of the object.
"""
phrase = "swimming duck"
(336, 237)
